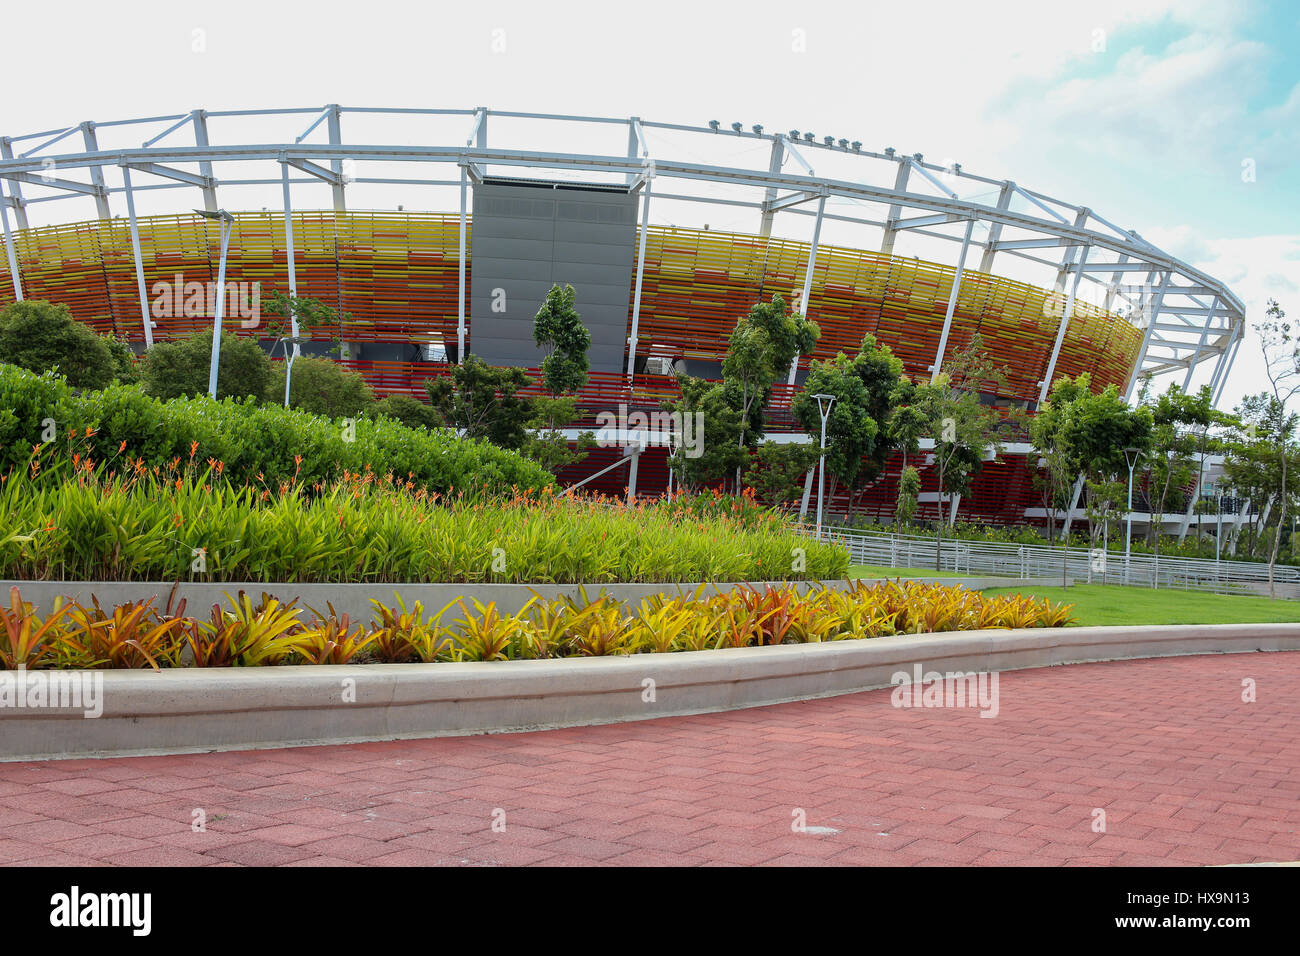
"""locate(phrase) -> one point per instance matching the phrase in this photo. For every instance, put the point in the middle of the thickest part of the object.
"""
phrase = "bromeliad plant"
(270, 632)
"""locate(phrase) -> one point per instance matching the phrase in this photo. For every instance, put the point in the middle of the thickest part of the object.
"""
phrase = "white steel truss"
(1187, 318)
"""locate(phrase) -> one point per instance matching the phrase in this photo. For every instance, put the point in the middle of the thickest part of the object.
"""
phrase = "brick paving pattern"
(1186, 772)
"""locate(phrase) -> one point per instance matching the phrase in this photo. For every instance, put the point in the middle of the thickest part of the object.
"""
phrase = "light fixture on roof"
(844, 144)
(713, 125)
(889, 151)
(857, 145)
(794, 134)
(758, 129)
(809, 137)
(918, 157)
(828, 140)
(737, 127)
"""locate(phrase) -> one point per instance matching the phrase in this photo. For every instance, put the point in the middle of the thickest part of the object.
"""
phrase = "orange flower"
(122, 447)
(194, 446)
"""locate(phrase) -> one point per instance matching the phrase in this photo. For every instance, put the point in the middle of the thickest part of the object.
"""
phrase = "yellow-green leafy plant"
(491, 636)
(26, 640)
(245, 635)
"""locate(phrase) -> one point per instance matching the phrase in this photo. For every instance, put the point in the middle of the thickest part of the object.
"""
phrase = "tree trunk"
(1281, 522)
(938, 538)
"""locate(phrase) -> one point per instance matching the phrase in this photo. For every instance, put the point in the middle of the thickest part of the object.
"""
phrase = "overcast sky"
(1148, 111)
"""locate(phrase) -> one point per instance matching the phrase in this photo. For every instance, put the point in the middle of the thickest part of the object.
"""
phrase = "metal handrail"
(1071, 564)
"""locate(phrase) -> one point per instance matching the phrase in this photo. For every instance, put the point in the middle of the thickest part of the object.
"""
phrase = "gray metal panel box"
(529, 236)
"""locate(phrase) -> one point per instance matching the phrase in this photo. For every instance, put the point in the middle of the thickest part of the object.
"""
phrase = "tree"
(1047, 433)
(850, 428)
(964, 428)
(1100, 426)
(481, 401)
(411, 412)
(760, 350)
(718, 455)
(909, 488)
(777, 472)
(174, 369)
(1281, 353)
(558, 330)
(310, 314)
(1171, 459)
(41, 336)
(859, 437)
(324, 387)
(123, 356)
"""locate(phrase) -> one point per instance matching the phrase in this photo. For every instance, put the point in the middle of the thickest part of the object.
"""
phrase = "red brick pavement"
(1186, 772)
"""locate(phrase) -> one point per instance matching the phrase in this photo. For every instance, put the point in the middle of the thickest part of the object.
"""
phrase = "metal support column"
(460, 287)
(640, 274)
(952, 303)
(995, 229)
(807, 277)
(20, 212)
(96, 172)
(1231, 355)
(289, 257)
(1066, 314)
(773, 167)
(145, 317)
(205, 168)
(9, 246)
(336, 139)
(900, 185)
(1200, 345)
(1156, 303)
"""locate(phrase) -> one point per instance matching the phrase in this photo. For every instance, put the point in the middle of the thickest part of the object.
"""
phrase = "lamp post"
(824, 403)
(226, 220)
(1131, 456)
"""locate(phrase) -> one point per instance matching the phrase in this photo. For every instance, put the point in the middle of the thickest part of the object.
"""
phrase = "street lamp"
(1131, 456)
(824, 403)
(226, 220)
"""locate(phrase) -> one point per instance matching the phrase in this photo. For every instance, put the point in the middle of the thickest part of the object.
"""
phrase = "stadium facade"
(659, 288)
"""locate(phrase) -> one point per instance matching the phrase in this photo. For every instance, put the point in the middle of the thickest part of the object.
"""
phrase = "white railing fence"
(1075, 564)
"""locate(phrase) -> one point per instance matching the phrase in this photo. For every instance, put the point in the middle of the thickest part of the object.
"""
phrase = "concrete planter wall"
(354, 599)
(232, 709)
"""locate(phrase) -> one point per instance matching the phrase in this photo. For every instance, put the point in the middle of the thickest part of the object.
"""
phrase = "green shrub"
(411, 412)
(33, 408)
(179, 369)
(41, 337)
(261, 444)
(322, 387)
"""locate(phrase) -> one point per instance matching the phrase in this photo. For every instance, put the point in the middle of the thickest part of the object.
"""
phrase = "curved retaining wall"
(232, 709)
(354, 599)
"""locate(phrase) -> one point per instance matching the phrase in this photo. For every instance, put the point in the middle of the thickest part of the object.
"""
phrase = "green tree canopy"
(481, 401)
(559, 332)
(324, 387)
(41, 336)
(175, 369)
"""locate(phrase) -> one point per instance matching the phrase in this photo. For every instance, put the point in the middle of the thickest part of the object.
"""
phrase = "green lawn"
(1116, 604)
(877, 571)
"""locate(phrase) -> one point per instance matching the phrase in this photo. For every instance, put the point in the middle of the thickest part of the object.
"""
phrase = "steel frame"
(1180, 330)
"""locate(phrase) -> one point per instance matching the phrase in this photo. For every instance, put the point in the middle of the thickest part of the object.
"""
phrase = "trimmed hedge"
(249, 440)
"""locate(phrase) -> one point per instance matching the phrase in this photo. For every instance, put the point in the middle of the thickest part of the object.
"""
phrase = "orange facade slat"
(394, 278)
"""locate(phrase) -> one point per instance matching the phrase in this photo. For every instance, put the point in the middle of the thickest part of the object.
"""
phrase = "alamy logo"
(63, 690)
(674, 429)
(177, 298)
(74, 908)
(951, 689)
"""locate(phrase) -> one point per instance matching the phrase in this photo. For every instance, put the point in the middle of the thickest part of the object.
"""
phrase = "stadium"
(434, 239)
